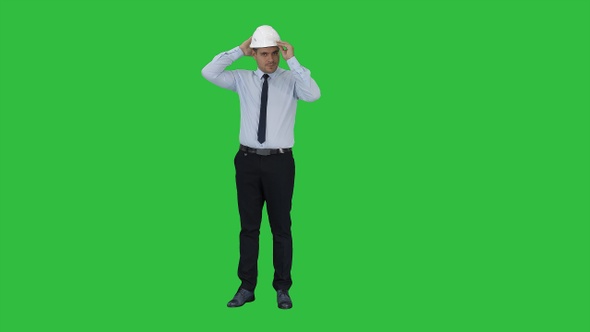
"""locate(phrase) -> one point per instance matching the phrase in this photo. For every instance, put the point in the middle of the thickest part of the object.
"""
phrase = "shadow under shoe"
(241, 297)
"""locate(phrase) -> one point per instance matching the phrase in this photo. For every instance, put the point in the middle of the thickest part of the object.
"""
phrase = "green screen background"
(442, 178)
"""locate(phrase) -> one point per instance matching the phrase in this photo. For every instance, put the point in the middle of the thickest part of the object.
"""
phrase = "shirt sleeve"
(215, 72)
(305, 87)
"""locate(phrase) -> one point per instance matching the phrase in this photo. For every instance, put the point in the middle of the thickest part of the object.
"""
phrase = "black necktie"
(262, 120)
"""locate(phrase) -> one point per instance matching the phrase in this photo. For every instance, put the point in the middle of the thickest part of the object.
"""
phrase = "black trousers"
(261, 179)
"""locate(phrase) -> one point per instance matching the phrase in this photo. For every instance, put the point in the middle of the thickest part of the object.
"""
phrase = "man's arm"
(215, 72)
(305, 87)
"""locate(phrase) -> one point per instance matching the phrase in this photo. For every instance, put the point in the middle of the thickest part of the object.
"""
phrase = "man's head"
(264, 48)
(267, 58)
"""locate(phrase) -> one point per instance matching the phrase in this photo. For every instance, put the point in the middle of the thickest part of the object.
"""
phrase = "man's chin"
(270, 70)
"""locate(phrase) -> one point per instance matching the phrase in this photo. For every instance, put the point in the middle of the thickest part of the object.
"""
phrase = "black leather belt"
(263, 152)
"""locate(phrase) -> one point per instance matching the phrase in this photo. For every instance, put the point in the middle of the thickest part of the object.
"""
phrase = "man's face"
(267, 58)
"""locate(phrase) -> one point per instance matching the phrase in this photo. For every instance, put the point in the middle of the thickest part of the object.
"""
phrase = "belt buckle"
(263, 152)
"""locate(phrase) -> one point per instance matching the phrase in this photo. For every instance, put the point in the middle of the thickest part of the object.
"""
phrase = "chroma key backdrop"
(443, 177)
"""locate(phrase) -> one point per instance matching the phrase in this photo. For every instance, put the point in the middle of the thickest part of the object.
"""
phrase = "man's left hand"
(286, 50)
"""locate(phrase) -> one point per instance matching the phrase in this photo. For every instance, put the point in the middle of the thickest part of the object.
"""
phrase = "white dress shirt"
(285, 87)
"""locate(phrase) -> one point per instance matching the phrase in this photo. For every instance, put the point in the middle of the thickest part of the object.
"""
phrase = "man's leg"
(278, 178)
(250, 202)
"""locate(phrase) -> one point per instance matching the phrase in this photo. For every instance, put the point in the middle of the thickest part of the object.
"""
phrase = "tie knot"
(265, 76)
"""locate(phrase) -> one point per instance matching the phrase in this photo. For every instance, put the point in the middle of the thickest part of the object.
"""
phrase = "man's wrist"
(293, 63)
(235, 53)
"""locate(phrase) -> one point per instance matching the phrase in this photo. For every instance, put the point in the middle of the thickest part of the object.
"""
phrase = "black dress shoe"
(284, 300)
(242, 296)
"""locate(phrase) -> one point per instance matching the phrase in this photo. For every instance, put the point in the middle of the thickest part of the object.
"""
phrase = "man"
(265, 169)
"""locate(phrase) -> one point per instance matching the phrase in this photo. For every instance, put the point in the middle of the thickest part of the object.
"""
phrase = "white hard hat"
(264, 36)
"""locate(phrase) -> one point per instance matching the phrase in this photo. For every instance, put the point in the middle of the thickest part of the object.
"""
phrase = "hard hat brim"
(253, 45)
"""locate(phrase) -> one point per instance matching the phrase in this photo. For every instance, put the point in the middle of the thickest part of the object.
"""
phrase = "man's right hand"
(245, 47)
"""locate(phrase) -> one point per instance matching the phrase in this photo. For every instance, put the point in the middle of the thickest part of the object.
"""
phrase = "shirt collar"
(259, 73)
